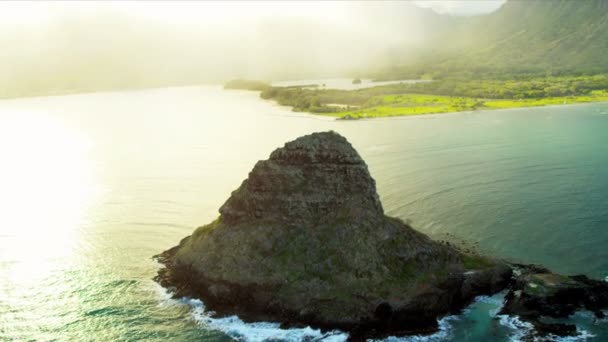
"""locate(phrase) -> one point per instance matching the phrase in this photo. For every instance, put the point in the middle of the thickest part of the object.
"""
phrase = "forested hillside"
(540, 37)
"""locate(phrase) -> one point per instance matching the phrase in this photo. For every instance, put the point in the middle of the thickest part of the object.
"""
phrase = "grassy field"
(417, 104)
(441, 96)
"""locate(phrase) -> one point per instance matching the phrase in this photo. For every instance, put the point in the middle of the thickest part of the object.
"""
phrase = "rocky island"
(304, 241)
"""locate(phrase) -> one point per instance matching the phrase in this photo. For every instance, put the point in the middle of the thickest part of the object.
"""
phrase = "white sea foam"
(166, 299)
(519, 327)
(269, 331)
(266, 331)
(583, 335)
(496, 300)
(251, 332)
(444, 333)
(259, 331)
(522, 329)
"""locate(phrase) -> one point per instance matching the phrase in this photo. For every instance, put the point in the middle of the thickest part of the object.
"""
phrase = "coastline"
(185, 283)
(400, 100)
(236, 327)
(524, 300)
(276, 253)
(344, 116)
(430, 115)
(337, 116)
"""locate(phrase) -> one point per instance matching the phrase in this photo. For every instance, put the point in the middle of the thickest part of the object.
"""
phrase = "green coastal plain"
(526, 54)
(436, 96)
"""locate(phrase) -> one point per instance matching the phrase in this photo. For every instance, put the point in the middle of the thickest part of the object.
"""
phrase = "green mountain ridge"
(523, 37)
(74, 52)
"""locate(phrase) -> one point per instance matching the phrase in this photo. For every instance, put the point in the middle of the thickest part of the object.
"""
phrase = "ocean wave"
(165, 296)
(524, 329)
(259, 331)
(268, 331)
(235, 328)
(494, 300)
(520, 328)
(239, 330)
(583, 335)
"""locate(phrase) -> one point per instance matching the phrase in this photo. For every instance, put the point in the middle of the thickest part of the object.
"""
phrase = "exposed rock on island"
(304, 241)
(537, 295)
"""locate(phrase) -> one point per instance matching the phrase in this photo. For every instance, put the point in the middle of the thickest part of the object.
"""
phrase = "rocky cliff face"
(310, 179)
(304, 240)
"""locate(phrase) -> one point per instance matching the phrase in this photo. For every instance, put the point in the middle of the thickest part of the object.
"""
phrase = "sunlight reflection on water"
(47, 183)
(93, 185)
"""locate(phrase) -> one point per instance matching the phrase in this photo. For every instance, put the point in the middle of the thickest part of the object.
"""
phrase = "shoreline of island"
(426, 98)
(306, 233)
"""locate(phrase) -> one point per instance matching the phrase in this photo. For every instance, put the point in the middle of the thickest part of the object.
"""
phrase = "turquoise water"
(93, 185)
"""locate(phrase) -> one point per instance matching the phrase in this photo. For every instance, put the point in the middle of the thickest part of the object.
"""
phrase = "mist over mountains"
(103, 47)
(522, 37)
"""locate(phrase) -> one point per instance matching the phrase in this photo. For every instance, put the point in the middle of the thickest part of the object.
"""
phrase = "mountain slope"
(522, 37)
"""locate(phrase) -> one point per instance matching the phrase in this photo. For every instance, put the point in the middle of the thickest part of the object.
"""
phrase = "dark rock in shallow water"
(537, 293)
(304, 241)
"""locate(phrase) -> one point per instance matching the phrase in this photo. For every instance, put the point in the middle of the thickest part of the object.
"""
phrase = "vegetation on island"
(555, 56)
(244, 84)
(442, 96)
(526, 39)
(483, 62)
(324, 259)
(357, 81)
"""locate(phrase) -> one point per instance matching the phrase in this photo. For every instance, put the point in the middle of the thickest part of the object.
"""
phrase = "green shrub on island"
(357, 81)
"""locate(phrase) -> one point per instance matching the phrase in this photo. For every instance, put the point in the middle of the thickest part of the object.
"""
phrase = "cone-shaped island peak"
(304, 240)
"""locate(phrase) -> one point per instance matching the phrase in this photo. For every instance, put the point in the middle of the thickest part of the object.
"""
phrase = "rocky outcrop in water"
(536, 295)
(304, 241)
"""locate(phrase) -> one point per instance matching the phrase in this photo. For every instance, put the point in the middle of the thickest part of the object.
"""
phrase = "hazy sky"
(12, 12)
(80, 44)
(265, 37)
(461, 7)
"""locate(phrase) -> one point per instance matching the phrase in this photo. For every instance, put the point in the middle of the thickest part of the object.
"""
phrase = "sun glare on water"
(47, 183)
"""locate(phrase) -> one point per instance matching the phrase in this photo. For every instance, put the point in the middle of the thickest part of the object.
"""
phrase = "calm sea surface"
(341, 83)
(93, 185)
